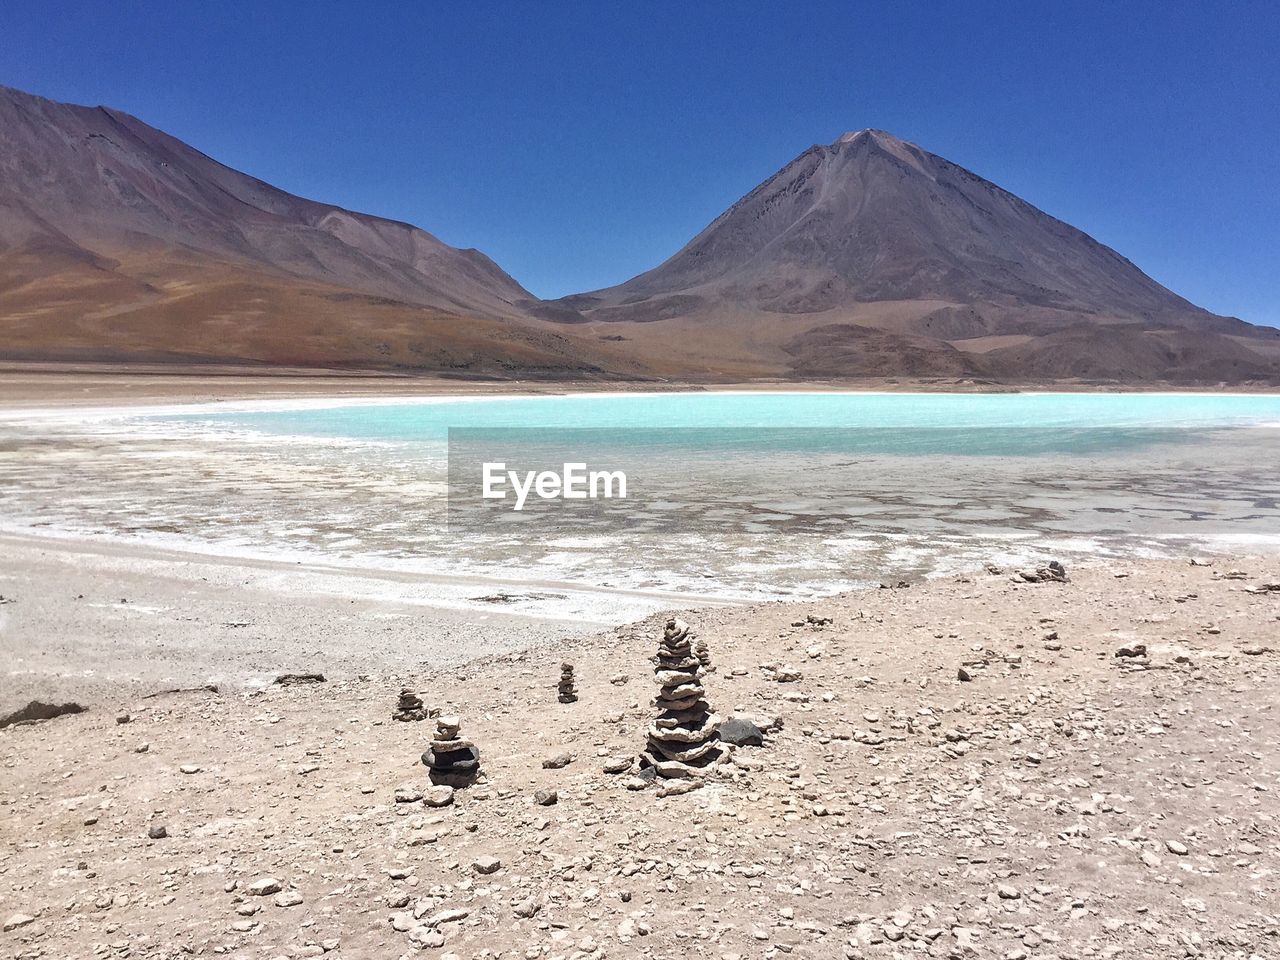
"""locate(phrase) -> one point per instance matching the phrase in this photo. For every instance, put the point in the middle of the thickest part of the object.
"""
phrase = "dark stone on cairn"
(453, 761)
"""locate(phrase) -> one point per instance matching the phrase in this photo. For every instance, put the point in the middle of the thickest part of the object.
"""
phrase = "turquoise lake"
(733, 496)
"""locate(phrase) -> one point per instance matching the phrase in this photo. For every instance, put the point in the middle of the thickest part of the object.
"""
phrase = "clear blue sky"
(581, 143)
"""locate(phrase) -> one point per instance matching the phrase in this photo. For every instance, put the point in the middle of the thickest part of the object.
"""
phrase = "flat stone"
(264, 886)
(689, 755)
(440, 795)
(408, 793)
(289, 898)
(676, 735)
(424, 936)
(486, 865)
(17, 921)
(439, 747)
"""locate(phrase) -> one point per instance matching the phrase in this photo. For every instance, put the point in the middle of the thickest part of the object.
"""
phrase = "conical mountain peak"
(872, 134)
(873, 254)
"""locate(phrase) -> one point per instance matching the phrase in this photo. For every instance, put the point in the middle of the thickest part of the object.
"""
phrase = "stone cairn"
(566, 689)
(453, 761)
(684, 738)
(703, 653)
(411, 708)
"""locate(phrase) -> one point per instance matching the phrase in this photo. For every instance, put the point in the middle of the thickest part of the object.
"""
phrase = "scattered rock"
(37, 710)
(298, 679)
(619, 764)
(741, 733)
(264, 886)
(546, 798)
(409, 793)
(439, 795)
(486, 865)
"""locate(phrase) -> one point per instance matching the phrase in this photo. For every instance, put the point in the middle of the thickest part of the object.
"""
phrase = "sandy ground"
(89, 620)
(1063, 803)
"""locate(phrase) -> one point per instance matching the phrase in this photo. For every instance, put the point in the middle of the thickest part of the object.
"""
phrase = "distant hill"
(119, 242)
(870, 256)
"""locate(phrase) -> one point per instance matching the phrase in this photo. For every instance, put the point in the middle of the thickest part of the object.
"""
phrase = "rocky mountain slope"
(871, 256)
(119, 242)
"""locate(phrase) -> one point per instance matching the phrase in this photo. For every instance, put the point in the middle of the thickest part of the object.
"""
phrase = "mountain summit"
(870, 246)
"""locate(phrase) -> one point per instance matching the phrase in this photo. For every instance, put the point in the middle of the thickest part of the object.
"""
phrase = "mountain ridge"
(864, 257)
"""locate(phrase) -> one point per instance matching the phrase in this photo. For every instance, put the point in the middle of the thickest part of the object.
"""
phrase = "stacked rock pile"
(683, 739)
(453, 761)
(566, 689)
(411, 708)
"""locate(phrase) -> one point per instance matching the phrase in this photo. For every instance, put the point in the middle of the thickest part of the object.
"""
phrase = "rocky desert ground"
(977, 767)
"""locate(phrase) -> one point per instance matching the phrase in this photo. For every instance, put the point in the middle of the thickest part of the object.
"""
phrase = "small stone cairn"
(410, 707)
(703, 653)
(453, 761)
(684, 739)
(566, 689)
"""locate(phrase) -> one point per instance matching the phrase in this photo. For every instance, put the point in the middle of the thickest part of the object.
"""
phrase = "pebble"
(618, 764)
(408, 793)
(486, 865)
(438, 796)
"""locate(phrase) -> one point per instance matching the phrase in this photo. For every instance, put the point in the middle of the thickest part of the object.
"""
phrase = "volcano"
(872, 257)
